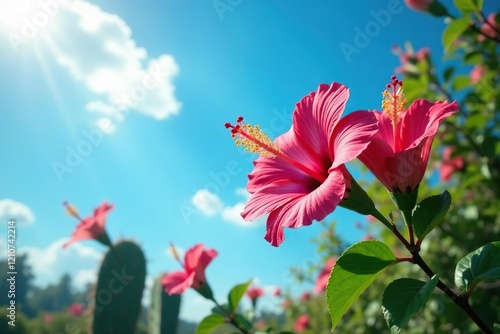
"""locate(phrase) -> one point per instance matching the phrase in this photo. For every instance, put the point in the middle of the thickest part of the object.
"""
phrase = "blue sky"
(126, 101)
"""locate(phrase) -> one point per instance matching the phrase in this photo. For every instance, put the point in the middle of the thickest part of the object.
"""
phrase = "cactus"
(164, 310)
(117, 297)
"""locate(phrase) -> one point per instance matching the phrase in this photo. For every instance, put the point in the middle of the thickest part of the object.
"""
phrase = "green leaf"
(483, 263)
(453, 31)
(403, 298)
(448, 73)
(242, 322)
(465, 5)
(461, 82)
(429, 213)
(353, 272)
(478, 4)
(208, 324)
(236, 294)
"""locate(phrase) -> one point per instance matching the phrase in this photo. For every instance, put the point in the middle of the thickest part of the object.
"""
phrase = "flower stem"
(408, 220)
(461, 301)
(229, 317)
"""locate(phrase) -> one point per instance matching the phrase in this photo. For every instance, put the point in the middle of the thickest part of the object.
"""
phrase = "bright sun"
(13, 12)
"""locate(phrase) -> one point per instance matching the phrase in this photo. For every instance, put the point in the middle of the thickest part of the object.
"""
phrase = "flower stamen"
(257, 141)
(71, 210)
(394, 104)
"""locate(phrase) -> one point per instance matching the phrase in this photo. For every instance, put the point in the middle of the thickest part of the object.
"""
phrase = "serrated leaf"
(353, 272)
(429, 213)
(235, 295)
(461, 82)
(453, 31)
(465, 5)
(483, 263)
(210, 323)
(403, 298)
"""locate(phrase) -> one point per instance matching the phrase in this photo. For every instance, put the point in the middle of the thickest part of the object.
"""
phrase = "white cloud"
(210, 205)
(51, 262)
(13, 210)
(97, 48)
(207, 202)
(232, 214)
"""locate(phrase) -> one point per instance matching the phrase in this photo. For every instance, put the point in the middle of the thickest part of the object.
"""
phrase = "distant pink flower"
(409, 59)
(489, 28)
(301, 177)
(254, 293)
(92, 227)
(196, 260)
(302, 323)
(399, 151)
(449, 165)
(323, 276)
(421, 5)
(48, 318)
(371, 219)
(368, 237)
(305, 296)
(76, 309)
(277, 292)
(477, 73)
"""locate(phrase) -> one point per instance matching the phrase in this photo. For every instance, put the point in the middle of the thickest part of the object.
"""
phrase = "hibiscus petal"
(374, 157)
(177, 282)
(422, 120)
(316, 116)
(407, 168)
(271, 170)
(101, 212)
(192, 257)
(352, 135)
(271, 197)
(301, 211)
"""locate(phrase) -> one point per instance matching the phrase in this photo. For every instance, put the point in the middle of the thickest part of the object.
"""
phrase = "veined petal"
(271, 197)
(422, 120)
(270, 170)
(316, 116)
(407, 168)
(177, 282)
(352, 135)
(374, 157)
(301, 211)
(385, 132)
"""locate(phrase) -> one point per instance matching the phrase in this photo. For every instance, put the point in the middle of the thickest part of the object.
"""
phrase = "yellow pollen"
(394, 102)
(255, 140)
(174, 252)
(72, 211)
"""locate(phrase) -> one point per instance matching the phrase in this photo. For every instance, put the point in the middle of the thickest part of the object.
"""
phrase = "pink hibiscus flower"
(76, 309)
(399, 151)
(301, 177)
(254, 293)
(277, 292)
(489, 28)
(323, 276)
(421, 5)
(449, 165)
(477, 73)
(196, 260)
(302, 323)
(92, 227)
